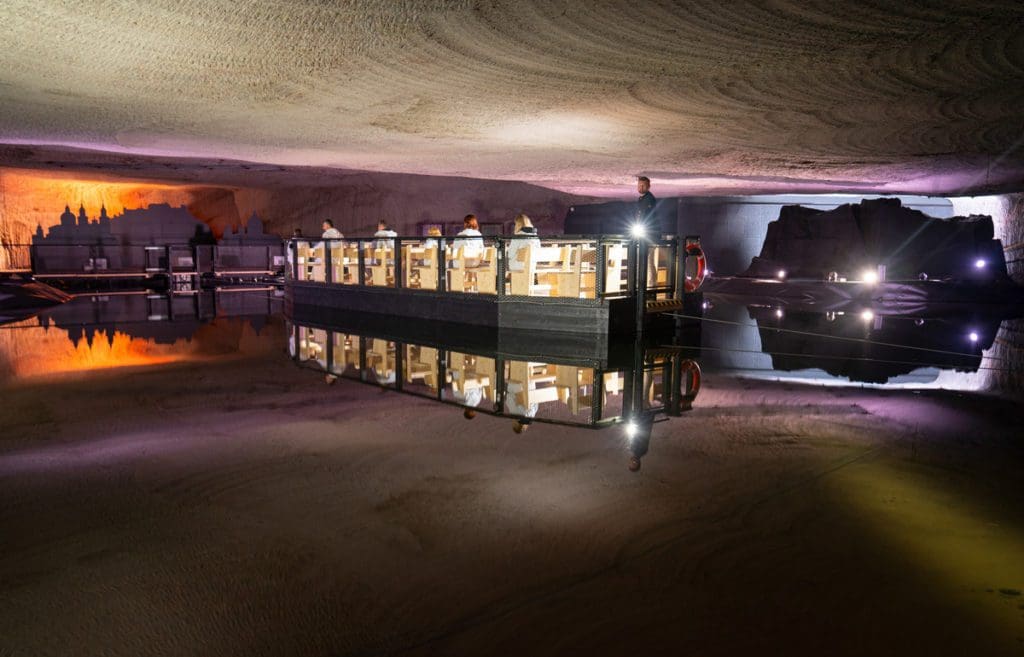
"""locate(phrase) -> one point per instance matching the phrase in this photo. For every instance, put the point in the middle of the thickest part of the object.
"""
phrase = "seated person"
(330, 232)
(432, 241)
(523, 226)
(385, 232)
(470, 238)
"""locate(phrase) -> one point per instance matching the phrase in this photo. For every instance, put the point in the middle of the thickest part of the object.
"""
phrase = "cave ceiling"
(702, 96)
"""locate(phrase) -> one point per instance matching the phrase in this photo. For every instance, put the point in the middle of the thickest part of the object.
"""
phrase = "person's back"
(470, 239)
(330, 232)
(383, 231)
(523, 227)
(432, 240)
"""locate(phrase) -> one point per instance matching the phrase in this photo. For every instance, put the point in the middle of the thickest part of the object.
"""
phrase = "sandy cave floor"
(249, 509)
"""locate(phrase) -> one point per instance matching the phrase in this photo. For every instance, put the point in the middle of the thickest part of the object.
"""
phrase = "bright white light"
(778, 312)
(781, 274)
(869, 276)
(974, 336)
(631, 430)
(867, 315)
(567, 130)
(637, 231)
(979, 263)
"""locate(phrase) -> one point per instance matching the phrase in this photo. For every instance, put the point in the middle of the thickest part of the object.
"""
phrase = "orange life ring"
(693, 283)
(691, 378)
(689, 382)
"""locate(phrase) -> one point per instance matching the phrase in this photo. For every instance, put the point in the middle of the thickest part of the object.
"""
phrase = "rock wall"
(1007, 212)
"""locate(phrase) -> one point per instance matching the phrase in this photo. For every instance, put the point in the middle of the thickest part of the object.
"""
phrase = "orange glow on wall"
(30, 198)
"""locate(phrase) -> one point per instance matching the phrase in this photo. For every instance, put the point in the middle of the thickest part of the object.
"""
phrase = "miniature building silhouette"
(251, 234)
(157, 224)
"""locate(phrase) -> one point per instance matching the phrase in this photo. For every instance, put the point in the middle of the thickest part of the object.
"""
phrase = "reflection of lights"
(867, 315)
(973, 336)
(631, 430)
(781, 274)
(870, 277)
(637, 231)
(980, 264)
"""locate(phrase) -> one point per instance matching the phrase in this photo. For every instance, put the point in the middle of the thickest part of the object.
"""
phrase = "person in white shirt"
(470, 239)
(384, 232)
(432, 241)
(330, 232)
(524, 227)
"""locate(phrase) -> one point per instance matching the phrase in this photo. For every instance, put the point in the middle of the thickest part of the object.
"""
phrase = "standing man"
(645, 204)
(645, 228)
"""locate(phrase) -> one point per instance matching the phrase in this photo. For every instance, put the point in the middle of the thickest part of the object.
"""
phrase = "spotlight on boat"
(867, 315)
(638, 231)
(973, 336)
(980, 263)
(781, 274)
(778, 313)
(869, 276)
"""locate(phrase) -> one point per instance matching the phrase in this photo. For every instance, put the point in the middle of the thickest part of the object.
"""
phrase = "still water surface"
(95, 332)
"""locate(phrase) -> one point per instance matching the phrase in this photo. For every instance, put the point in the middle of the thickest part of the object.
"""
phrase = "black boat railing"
(579, 267)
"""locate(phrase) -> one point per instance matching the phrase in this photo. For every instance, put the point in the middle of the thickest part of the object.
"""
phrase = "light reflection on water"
(106, 331)
(963, 350)
(968, 351)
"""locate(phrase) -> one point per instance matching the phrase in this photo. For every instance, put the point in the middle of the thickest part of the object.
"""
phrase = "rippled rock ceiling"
(703, 96)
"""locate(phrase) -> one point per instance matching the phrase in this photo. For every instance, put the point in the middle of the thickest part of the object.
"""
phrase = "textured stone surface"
(703, 96)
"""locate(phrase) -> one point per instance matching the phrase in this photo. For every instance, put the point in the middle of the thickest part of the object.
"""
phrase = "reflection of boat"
(622, 387)
(22, 297)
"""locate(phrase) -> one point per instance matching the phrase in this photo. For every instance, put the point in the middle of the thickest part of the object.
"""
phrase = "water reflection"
(103, 331)
(853, 344)
(628, 387)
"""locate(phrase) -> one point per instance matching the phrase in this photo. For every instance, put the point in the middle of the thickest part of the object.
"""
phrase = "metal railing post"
(397, 256)
(328, 265)
(640, 284)
(680, 272)
(500, 253)
(361, 259)
(442, 267)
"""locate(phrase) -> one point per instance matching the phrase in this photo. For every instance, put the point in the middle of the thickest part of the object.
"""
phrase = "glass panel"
(469, 379)
(345, 355)
(380, 361)
(421, 264)
(419, 370)
(472, 265)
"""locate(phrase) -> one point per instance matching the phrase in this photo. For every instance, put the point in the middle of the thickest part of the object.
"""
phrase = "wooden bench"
(473, 274)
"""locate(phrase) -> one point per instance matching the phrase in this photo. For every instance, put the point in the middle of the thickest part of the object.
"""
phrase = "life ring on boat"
(689, 383)
(693, 283)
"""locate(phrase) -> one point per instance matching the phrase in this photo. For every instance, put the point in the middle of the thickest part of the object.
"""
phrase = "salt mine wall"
(733, 229)
(31, 198)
